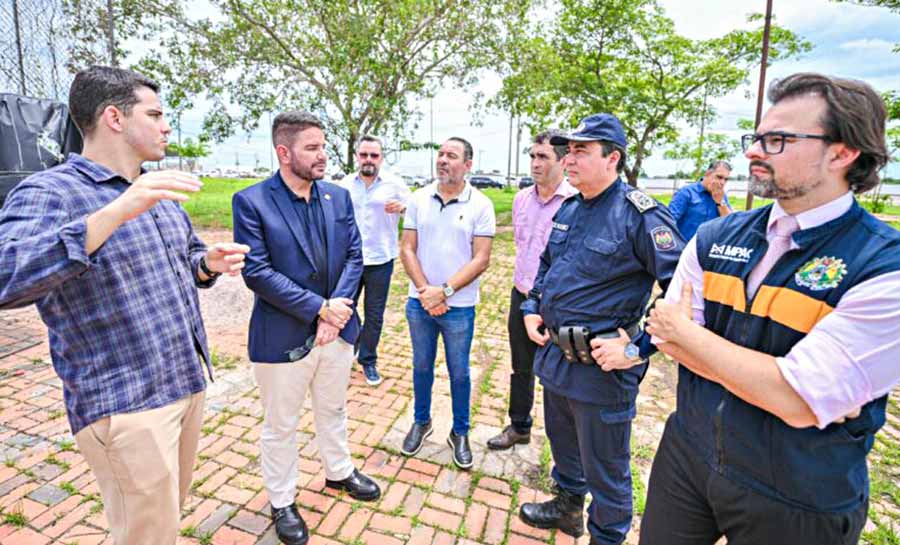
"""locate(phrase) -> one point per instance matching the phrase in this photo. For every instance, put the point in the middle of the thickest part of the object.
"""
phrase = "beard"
(310, 171)
(368, 169)
(766, 187)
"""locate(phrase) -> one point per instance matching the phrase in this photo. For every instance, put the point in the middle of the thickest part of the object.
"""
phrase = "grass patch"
(15, 517)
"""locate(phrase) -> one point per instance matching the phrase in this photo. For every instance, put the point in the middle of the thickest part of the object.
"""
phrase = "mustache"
(762, 164)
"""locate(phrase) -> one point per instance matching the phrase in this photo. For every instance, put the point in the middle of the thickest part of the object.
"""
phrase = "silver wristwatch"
(448, 290)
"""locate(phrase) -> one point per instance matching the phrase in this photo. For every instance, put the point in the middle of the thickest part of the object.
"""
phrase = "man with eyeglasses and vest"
(785, 322)
(608, 245)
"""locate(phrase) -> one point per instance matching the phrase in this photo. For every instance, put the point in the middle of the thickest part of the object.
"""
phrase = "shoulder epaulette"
(641, 200)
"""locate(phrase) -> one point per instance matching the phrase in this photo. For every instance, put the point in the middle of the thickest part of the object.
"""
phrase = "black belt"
(575, 341)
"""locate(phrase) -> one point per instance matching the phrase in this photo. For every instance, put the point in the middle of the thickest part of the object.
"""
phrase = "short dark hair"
(369, 138)
(855, 116)
(544, 138)
(609, 147)
(287, 125)
(468, 151)
(97, 87)
(713, 165)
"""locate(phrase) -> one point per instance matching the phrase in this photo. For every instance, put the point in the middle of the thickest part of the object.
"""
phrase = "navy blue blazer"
(280, 270)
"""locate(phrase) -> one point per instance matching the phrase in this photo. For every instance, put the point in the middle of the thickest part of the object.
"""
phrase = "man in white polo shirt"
(378, 200)
(446, 245)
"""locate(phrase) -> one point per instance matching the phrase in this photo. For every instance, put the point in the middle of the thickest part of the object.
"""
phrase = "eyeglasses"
(773, 142)
(300, 352)
(364, 155)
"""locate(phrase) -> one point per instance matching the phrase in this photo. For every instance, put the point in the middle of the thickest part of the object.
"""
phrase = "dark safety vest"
(820, 469)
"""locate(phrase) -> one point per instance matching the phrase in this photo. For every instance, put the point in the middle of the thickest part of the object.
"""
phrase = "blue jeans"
(377, 281)
(456, 327)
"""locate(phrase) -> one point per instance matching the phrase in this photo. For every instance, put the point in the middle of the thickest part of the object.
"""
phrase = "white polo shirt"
(377, 228)
(445, 235)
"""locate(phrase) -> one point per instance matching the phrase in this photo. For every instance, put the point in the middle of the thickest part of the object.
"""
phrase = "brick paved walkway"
(48, 495)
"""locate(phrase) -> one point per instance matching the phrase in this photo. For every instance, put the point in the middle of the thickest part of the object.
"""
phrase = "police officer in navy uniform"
(608, 245)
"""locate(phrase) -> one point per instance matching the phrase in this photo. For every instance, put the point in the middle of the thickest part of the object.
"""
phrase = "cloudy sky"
(848, 40)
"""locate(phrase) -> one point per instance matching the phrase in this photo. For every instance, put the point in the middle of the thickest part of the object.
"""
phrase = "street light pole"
(762, 81)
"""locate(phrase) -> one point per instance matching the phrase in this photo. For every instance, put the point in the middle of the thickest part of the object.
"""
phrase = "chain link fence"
(39, 49)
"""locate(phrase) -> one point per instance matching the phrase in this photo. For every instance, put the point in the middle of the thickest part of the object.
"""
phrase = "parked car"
(525, 181)
(482, 182)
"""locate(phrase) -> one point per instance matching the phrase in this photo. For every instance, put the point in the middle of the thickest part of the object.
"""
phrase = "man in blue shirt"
(697, 203)
(112, 263)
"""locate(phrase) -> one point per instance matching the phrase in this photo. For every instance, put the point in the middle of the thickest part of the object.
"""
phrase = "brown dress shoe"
(507, 438)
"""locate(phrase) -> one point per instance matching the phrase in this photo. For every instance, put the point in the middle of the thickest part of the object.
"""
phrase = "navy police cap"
(604, 127)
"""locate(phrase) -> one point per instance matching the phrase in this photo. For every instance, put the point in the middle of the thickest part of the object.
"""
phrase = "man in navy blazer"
(304, 265)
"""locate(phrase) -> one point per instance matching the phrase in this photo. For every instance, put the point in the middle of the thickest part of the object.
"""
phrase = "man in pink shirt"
(787, 363)
(533, 210)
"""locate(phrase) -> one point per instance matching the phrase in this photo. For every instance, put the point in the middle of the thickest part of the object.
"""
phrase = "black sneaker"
(372, 376)
(416, 438)
(462, 454)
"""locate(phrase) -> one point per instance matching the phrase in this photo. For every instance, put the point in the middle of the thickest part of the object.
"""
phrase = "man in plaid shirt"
(112, 262)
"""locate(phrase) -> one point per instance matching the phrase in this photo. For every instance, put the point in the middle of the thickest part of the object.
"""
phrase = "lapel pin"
(327, 197)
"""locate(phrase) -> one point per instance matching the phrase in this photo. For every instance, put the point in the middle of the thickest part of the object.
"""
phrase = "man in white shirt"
(447, 235)
(378, 200)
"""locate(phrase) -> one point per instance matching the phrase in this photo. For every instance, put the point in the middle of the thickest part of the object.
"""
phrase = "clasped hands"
(333, 316)
(433, 300)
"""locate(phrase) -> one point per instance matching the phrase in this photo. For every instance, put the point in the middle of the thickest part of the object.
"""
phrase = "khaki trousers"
(143, 462)
(325, 373)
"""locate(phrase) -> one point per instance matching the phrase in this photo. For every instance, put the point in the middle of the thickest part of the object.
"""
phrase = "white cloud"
(866, 44)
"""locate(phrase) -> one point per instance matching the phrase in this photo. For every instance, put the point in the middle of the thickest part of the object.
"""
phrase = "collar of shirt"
(613, 187)
(358, 180)
(564, 190)
(95, 171)
(815, 217)
(464, 195)
(313, 191)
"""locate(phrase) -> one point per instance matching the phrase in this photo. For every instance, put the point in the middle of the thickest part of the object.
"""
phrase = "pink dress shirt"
(850, 357)
(532, 223)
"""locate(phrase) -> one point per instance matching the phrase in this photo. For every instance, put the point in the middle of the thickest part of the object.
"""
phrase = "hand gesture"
(152, 187)
(438, 309)
(226, 257)
(667, 319)
(394, 206)
(533, 323)
(431, 296)
(610, 353)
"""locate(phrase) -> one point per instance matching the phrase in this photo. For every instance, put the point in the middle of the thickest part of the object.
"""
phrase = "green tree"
(716, 147)
(625, 57)
(190, 150)
(358, 64)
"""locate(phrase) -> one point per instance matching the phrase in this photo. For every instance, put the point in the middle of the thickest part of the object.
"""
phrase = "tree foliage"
(189, 149)
(625, 57)
(358, 64)
(715, 147)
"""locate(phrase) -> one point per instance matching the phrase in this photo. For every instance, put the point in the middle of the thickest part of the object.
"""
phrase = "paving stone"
(217, 519)
(49, 495)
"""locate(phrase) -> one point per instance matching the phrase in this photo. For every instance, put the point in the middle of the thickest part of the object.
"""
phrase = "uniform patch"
(641, 200)
(560, 226)
(663, 238)
(821, 273)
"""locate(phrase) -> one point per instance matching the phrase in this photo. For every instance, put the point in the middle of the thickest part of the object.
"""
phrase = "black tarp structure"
(35, 134)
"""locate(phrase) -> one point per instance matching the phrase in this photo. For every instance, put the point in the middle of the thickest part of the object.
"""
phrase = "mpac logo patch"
(821, 273)
(738, 254)
(663, 238)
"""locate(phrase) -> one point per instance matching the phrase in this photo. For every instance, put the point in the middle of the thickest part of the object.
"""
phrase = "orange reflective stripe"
(724, 289)
(789, 307)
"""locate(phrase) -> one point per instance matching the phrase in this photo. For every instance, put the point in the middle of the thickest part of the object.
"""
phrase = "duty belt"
(575, 341)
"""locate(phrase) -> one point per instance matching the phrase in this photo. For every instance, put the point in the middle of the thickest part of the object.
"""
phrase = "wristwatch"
(206, 270)
(632, 352)
(448, 290)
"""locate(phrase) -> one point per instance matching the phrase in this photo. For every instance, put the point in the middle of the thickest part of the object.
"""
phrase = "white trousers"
(325, 373)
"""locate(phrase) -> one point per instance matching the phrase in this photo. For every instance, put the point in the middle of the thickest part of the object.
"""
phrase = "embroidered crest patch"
(663, 238)
(641, 200)
(821, 273)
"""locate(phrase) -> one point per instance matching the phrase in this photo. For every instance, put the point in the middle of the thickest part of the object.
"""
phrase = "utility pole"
(179, 142)
(22, 88)
(518, 146)
(762, 81)
(480, 153)
(431, 137)
(271, 149)
(509, 149)
(702, 128)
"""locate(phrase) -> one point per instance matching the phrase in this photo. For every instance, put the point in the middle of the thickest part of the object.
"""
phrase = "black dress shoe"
(416, 438)
(358, 486)
(289, 525)
(507, 438)
(462, 454)
(565, 512)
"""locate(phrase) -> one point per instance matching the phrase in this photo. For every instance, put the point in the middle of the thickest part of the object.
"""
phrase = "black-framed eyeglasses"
(773, 141)
(364, 155)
